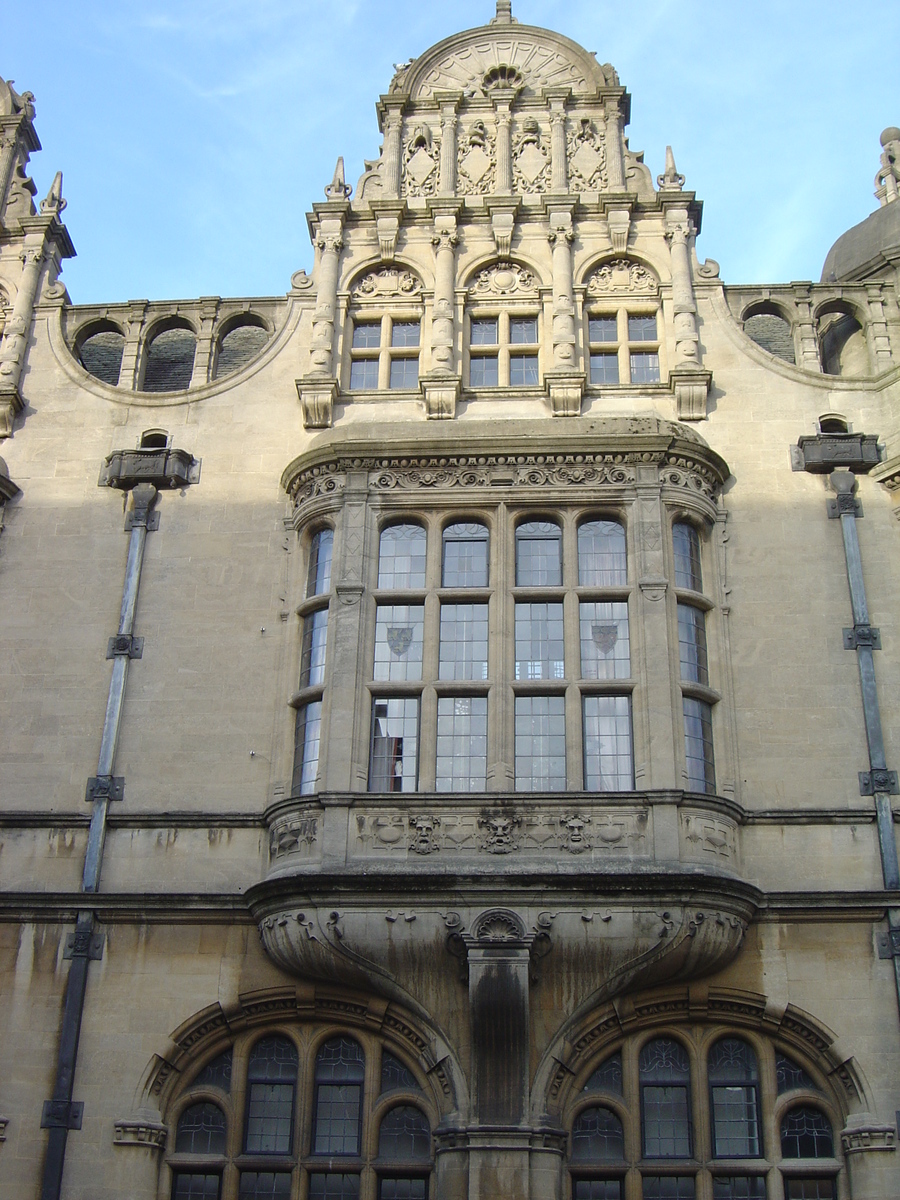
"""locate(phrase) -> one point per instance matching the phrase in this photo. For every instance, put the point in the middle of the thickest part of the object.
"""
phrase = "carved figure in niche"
(423, 827)
(502, 279)
(499, 833)
(586, 158)
(622, 275)
(573, 835)
(476, 161)
(531, 161)
(420, 162)
(388, 281)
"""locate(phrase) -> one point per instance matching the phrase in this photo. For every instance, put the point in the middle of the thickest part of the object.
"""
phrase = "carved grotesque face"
(423, 826)
(501, 828)
(575, 829)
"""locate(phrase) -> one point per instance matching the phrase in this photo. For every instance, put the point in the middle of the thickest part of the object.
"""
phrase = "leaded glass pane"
(190, 1186)
(539, 641)
(806, 1133)
(405, 1134)
(367, 335)
(602, 329)
(464, 641)
(201, 1130)
(523, 370)
(405, 1188)
(601, 554)
(790, 1074)
(597, 1189)
(739, 1187)
(216, 1073)
(270, 1113)
(644, 368)
(333, 1187)
(465, 555)
(338, 1111)
(398, 641)
(395, 744)
(538, 554)
(664, 1061)
(312, 655)
(698, 746)
(732, 1060)
(605, 650)
(405, 333)
(642, 329)
(608, 758)
(809, 1189)
(692, 644)
(265, 1185)
(404, 373)
(523, 331)
(320, 554)
(273, 1058)
(308, 736)
(686, 543)
(364, 374)
(484, 370)
(668, 1187)
(666, 1123)
(604, 368)
(607, 1077)
(401, 557)
(484, 331)
(340, 1060)
(735, 1122)
(597, 1136)
(540, 743)
(461, 761)
(394, 1074)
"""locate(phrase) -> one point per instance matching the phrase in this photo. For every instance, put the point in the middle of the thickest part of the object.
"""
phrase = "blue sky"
(193, 135)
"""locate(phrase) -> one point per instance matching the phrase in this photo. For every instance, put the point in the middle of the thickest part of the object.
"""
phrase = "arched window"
(538, 554)
(465, 555)
(665, 1077)
(694, 659)
(842, 344)
(601, 554)
(607, 1077)
(734, 1100)
(307, 1123)
(238, 346)
(597, 1136)
(806, 1133)
(772, 332)
(401, 557)
(169, 361)
(319, 573)
(100, 352)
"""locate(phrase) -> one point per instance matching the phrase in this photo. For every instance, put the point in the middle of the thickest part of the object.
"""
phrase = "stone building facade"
(448, 742)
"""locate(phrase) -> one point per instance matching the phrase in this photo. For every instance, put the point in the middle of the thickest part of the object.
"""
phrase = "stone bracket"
(878, 781)
(440, 394)
(125, 644)
(564, 391)
(691, 391)
(62, 1114)
(148, 1134)
(317, 395)
(862, 635)
(888, 944)
(84, 944)
(11, 405)
(105, 787)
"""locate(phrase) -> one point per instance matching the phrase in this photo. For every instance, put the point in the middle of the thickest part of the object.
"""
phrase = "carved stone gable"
(622, 275)
(471, 69)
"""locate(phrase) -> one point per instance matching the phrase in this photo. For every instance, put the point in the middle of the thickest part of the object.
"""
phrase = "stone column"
(560, 175)
(15, 335)
(390, 187)
(565, 383)
(318, 388)
(503, 181)
(448, 148)
(8, 144)
(807, 342)
(615, 163)
(678, 230)
(440, 387)
(129, 371)
(203, 353)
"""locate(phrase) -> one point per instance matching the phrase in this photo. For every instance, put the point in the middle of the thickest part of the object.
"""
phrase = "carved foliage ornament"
(503, 279)
(387, 283)
(622, 275)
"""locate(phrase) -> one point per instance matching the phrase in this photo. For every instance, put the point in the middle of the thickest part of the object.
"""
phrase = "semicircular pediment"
(502, 55)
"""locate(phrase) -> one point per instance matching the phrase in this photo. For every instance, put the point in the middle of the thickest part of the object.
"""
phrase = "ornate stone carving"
(586, 158)
(148, 1134)
(531, 160)
(691, 475)
(499, 832)
(499, 925)
(317, 481)
(622, 275)
(421, 159)
(387, 283)
(709, 837)
(423, 828)
(560, 470)
(476, 161)
(862, 1134)
(574, 837)
(503, 279)
(295, 834)
(511, 63)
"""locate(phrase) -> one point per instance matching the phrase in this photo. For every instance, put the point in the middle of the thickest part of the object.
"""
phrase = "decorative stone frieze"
(148, 1135)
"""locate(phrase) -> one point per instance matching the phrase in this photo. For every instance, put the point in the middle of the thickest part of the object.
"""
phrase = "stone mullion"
(572, 657)
(129, 371)
(204, 347)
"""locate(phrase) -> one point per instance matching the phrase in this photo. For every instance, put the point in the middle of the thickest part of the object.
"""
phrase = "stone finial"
(54, 203)
(338, 189)
(504, 13)
(670, 180)
(888, 177)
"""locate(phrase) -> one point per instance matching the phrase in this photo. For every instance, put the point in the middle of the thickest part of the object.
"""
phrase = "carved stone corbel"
(317, 396)
(440, 394)
(564, 392)
(690, 387)
(618, 221)
(135, 1131)
(503, 226)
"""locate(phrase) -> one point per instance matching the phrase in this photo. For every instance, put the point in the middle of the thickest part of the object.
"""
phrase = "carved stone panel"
(503, 279)
(421, 163)
(387, 283)
(531, 160)
(476, 161)
(586, 149)
(709, 837)
(621, 275)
